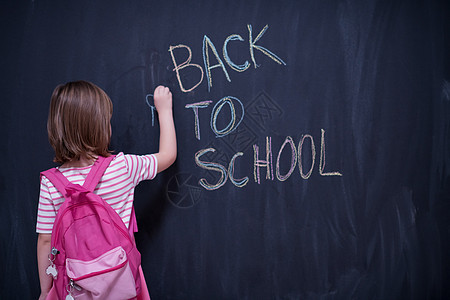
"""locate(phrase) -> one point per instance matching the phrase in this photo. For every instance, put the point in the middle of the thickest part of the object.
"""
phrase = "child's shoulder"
(136, 161)
(119, 159)
(119, 156)
(123, 160)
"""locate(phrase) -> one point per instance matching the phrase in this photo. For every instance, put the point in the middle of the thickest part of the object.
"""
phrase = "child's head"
(79, 121)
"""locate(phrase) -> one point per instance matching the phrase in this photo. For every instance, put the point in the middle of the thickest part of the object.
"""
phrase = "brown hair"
(78, 122)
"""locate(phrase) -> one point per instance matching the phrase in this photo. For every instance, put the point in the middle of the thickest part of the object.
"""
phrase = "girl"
(79, 131)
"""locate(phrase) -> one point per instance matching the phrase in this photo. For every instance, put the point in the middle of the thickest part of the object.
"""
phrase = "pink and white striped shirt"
(116, 187)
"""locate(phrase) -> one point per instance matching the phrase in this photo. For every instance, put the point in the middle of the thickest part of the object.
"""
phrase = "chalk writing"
(296, 157)
(152, 107)
(262, 49)
(232, 125)
(224, 172)
(313, 156)
(195, 107)
(268, 163)
(185, 64)
(263, 163)
(238, 68)
(208, 46)
(322, 158)
(289, 141)
(237, 182)
(213, 167)
(261, 111)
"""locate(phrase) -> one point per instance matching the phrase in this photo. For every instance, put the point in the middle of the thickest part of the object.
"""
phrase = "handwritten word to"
(267, 163)
(210, 49)
(232, 125)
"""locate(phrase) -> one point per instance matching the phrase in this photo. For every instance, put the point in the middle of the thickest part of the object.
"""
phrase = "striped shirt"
(116, 187)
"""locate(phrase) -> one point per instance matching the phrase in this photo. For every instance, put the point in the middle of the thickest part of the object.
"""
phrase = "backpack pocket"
(108, 276)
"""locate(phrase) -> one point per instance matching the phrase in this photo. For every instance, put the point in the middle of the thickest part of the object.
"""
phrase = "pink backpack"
(93, 255)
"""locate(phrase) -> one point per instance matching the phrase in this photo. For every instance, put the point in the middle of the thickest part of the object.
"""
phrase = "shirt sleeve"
(46, 209)
(141, 167)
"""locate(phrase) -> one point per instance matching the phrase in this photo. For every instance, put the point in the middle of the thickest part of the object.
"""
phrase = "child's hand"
(163, 99)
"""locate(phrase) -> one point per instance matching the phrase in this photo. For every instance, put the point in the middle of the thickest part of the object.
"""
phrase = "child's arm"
(43, 250)
(167, 137)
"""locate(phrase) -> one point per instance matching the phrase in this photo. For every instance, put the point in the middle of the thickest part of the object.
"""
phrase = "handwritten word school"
(267, 163)
(237, 112)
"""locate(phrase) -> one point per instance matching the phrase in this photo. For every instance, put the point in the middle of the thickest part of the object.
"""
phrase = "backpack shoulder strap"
(96, 172)
(58, 179)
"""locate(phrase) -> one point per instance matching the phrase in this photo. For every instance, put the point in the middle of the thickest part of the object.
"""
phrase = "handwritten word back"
(210, 49)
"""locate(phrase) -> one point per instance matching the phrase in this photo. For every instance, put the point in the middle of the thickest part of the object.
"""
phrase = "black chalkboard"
(313, 136)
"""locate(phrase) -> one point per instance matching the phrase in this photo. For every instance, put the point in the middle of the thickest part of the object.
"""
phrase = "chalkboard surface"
(313, 136)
